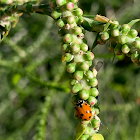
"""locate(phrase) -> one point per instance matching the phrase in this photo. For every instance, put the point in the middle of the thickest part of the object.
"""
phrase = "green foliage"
(31, 69)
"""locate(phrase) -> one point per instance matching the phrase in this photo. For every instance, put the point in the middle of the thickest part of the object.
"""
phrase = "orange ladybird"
(83, 110)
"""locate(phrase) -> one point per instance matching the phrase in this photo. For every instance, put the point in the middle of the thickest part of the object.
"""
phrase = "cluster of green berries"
(68, 17)
(122, 40)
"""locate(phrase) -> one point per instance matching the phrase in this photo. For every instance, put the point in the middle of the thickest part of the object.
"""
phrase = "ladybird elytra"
(83, 110)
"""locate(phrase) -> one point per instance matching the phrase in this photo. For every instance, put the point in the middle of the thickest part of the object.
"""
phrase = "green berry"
(70, 19)
(93, 82)
(92, 100)
(78, 12)
(90, 63)
(95, 123)
(68, 38)
(73, 82)
(135, 57)
(122, 39)
(132, 33)
(75, 48)
(100, 41)
(105, 36)
(77, 87)
(56, 14)
(70, 6)
(78, 75)
(65, 47)
(84, 94)
(84, 137)
(125, 49)
(125, 28)
(114, 25)
(67, 57)
(89, 56)
(97, 110)
(115, 33)
(60, 23)
(93, 92)
(84, 47)
(71, 67)
(89, 74)
(77, 30)
(87, 131)
(117, 49)
(60, 2)
(136, 44)
(84, 65)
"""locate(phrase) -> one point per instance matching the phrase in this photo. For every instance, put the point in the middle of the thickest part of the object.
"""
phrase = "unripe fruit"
(93, 82)
(89, 56)
(92, 100)
(132, 33)
(84, 137)
(90, 63)
(117, 49)
(135, 57)
(84, 66)
(89, 74)
(84, 47)
(122, 39)
(65, 47)
(78, 75)
(115, 33)
(87, 131)
(94, 71)
(77, 87)
(105, 36)
(68, 38)
(97, 110)
(125, 28)
(77, 30)
(84, 94)
(125, 49)
(75, 48)
(66, 57)
(72, 82)
(100, 41)
(93, 92)
(60, 23)
(60, 2)
(56, 14)
(70, 19)
(114, 25)
(136, 44)
(71, 67)
(70, 6)
(78, 12)
(95, 123)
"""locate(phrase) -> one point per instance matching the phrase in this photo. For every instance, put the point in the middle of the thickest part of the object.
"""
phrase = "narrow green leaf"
(79, 131)
(131, 23)
(106, 26)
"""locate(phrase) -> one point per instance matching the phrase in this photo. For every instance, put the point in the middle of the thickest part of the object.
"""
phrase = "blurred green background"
(30, 56)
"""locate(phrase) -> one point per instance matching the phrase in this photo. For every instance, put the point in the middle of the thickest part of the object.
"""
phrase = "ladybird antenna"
(105, 126)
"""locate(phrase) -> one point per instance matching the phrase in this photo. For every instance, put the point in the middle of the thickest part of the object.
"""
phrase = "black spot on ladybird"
(85, 119)
(90, 111)
(82, 114)
(89, 116)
